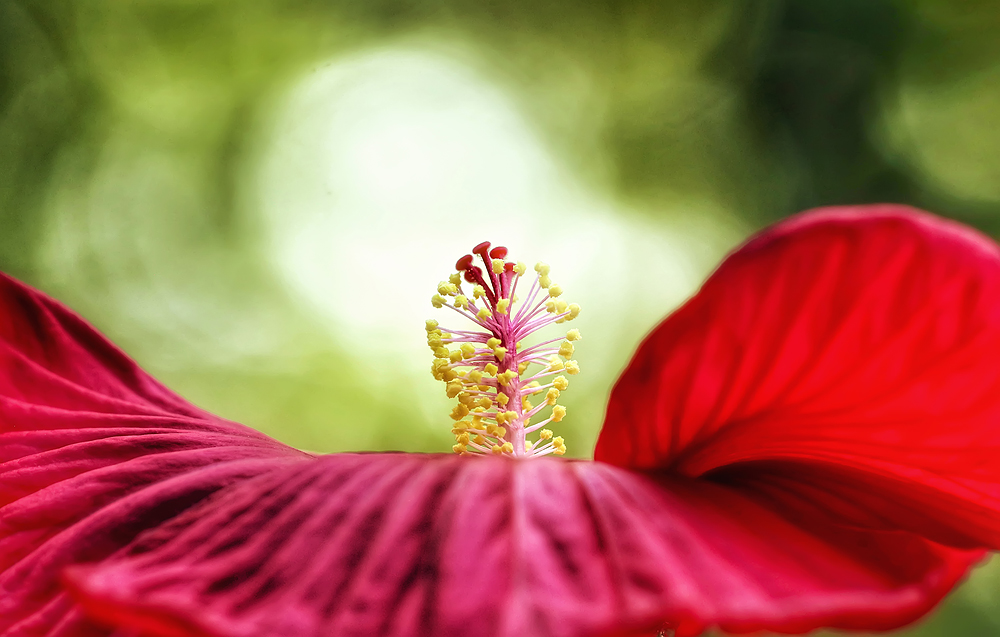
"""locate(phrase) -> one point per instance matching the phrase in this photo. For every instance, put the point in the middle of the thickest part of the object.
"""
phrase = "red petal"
(92, 452)
(406, 545)
(856, 348)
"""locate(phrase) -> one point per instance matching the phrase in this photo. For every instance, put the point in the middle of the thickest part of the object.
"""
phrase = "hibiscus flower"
(809, 441)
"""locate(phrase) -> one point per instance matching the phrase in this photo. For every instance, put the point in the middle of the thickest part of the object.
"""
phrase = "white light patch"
(389, 166)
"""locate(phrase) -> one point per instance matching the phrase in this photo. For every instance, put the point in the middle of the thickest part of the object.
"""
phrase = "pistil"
(500, 384)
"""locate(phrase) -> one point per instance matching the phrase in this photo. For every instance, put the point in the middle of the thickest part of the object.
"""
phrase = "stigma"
(507, 391)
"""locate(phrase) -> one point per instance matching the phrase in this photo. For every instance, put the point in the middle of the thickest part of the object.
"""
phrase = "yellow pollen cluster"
(488, 369)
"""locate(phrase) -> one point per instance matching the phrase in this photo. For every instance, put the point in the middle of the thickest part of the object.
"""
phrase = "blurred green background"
(256, 199)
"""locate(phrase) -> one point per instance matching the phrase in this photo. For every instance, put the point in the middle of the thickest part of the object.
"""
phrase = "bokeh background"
(257, 198)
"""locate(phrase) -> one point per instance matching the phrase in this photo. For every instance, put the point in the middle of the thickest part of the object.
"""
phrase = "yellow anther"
(561, 306)
(507, 447)
(466, 399)
(511, 416)
(560, 383)
(573, 335)
(550, 307)
(442, 352)
(520, 268)
(437, 300)
(574, 311)
(555, 364)
(501, 417)
(485, 402)
(483, 387)
(455, 279)
(558, 413)
(497, 449)
(572, 367)
(544, 434)
(526, 404)
(431, 325)
(483, 313)
(478, 291)
(449, 374)
(491, 369)
(468, 351)
(453, 388)
(503, 399)
(461, 301)
(522, 366)
(501, 432)
(493, 342)
(528, 445)
(459, 448)
(552, 396)
(459, 412)
(502, 305)
(541, 268)
(555, 291)
(491, 429)
(479, 440)
(566, 349)
(447, 289)
(544, 281)
(532, 387)
(475, 376)
(500, 352)
(507, 376)
(455, 355)
(558, 445)
(463, 438)
(497, 266)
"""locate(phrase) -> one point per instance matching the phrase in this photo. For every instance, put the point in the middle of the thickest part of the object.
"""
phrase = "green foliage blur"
(256, 198)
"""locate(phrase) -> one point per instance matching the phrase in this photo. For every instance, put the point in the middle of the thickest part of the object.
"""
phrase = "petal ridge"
(594, 550)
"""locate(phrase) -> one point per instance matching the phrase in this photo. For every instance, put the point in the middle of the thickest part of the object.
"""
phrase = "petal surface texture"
(806, 443)
(92, 452)
(425, 545)
(844, 360)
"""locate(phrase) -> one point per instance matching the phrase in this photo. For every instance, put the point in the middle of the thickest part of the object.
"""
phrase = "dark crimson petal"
(92, 452)
(848, 354)
(408, 545)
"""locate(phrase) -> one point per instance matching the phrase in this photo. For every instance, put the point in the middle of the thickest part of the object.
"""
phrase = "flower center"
(495, 378)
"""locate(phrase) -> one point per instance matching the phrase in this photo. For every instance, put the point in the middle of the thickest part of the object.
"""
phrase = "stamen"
(489, 371)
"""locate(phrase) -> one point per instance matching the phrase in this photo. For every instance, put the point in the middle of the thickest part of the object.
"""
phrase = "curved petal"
(408, 545)
(92, 452)
(857, 345)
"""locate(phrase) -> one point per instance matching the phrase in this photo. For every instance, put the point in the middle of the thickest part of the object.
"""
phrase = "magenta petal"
(413, 545)
(846, 353)
(92, 452)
